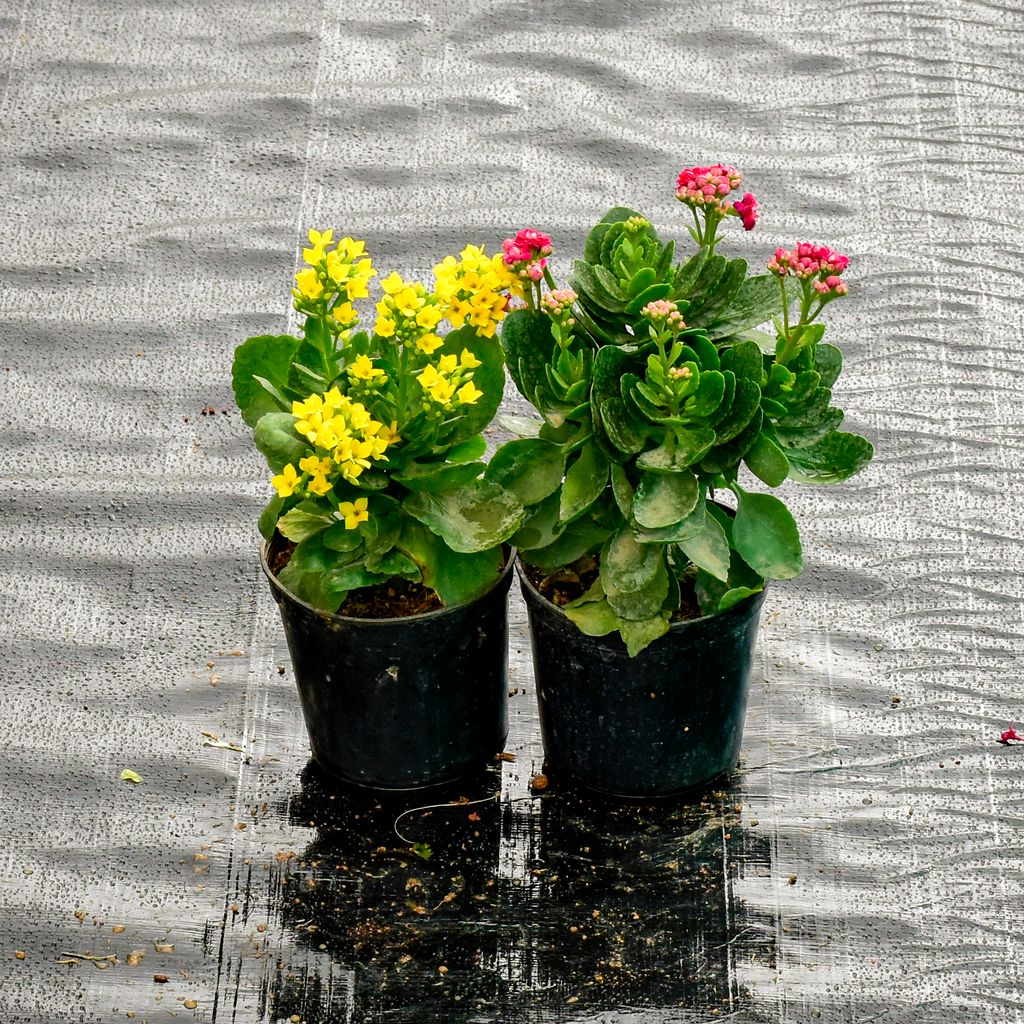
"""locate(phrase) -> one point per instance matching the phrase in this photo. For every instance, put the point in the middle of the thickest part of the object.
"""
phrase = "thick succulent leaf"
(456, 577)
(541, 526)
(471, 518)
(664, 498)
(269, 517)
(489, 377)
(755, 301)
(300, 524)
(828, 361)
(587, 282)
(580, 538)
(675, 533)
(437, 476)
(585, 480)
(468, 451)
(709, 549)
(530, 468)
(645, 602)
(765, 535)
(595, 618)
(624, 430)
(835, 457)
(745, 360)
(688, 445)
(809, 427)
(275, 437)
(267, 356)
(638, 635)
(766, 460)
(708, 398)
(622, 490)
(626, 564)
(528, 344)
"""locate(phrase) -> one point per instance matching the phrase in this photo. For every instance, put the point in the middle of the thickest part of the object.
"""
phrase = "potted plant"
(648, 543)
(384, 545)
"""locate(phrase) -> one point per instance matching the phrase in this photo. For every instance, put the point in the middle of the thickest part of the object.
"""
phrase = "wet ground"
(159, 161)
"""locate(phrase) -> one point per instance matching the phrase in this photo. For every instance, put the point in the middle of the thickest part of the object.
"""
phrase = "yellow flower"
(354, 512)
(362, 368)
(309, 283)
(393, 283)
(315, 465)
(428, 376)
(447, 364)
(469, 393)
(321, 238)
(390, 433)
(468, 360)
(319, 485)
(428, 343)
(384, 326)
(429, 317)
(345, 313)
(286, 481)
(441, 390)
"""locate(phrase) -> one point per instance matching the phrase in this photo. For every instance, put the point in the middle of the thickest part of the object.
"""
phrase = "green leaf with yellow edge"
(267, 356)
(422, 850)
(127, 775)
(765, 535)
(471, 518)
(664, 498)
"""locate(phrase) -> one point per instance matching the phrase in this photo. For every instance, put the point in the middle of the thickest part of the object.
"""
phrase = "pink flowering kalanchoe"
(707, 186)
(526, 254)
(746, 210)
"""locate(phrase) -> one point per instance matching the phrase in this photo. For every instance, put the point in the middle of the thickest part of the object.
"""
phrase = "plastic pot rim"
(674, 627)
(278, 587)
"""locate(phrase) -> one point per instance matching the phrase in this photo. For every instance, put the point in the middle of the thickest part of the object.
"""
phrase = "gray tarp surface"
(160, 162)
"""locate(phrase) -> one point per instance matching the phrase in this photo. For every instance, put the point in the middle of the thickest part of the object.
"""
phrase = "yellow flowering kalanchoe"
(333, 276)
(448, 380)
(474, 288)
(408, 314)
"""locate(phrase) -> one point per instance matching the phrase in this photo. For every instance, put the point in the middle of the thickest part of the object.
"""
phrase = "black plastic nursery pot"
(405, 703)
(660, 724)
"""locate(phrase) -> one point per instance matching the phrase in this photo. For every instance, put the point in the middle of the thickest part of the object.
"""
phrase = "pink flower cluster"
(525, 254)
(746, 210)
(558, 303)
(707, 186)
(1011, 736)
(819, 262)
(663, 311)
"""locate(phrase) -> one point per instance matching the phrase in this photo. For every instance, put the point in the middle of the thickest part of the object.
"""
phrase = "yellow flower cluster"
(408, 313)
(346, 438)
(444, 382)
(362, 368)
(336, 276)
(474, 288)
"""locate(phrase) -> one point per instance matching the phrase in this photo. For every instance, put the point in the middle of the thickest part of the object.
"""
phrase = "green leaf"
(585, 480)
(766, 460)
(528, 344)
(269, 516)
(622, 490)
(268, 356)
(299, 524)
(351, 577)
(437, 476)
(489, 377)
(836, 457)
(579, 538)
(422, 850)
(737, 594)
(828, 361)
(595, 618)
(664, 498)
(541, 526)
(627, 564)
(127, 775)
(643, 633)
(645, 602)
(393, 563)
(521, 426)
(530, 468)
(339, 538)
(456, 578)
(708, 398)
(754, 302)
(766, 536)
(745, 361)
(675, 533)
(709, 549)
(467, 451)
(475, 517)
(624, 430)
(275, 437)
(587, 283)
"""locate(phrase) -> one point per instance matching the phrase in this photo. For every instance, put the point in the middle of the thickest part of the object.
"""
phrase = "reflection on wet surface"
(523, 909)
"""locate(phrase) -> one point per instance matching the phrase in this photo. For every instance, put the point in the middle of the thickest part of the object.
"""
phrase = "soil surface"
(568, 584)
